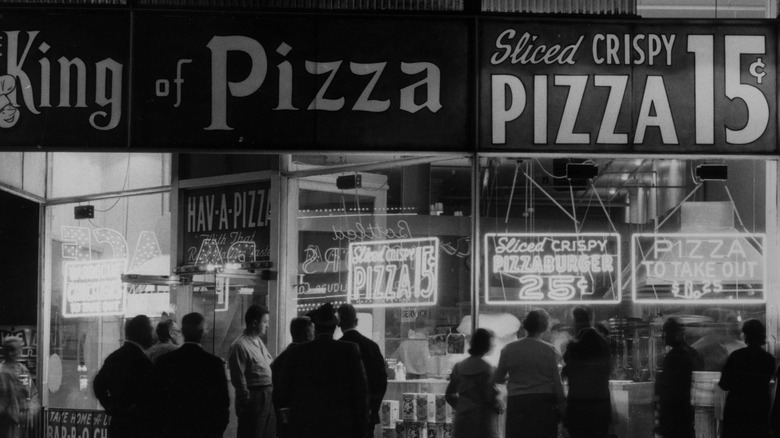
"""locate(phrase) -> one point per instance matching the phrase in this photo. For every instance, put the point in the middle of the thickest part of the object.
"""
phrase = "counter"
(632, 403)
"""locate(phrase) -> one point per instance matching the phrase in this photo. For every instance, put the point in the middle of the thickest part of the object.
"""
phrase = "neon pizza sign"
(393, 273)
(530, 268)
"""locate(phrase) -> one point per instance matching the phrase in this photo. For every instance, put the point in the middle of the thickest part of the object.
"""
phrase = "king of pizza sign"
(620, 87)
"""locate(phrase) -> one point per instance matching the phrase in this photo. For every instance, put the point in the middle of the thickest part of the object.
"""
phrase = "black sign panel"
(647, 86)
(225, 224)
(302, 82)
(72, 423)
(63, 79)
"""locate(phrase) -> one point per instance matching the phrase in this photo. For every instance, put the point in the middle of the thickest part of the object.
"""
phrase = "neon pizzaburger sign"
(701, 268)
(529, 268)
(393, 273)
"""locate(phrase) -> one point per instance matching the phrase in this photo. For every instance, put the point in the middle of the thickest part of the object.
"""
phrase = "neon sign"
(393, 273)
(529, 268)
(702, 268)
(93, 288)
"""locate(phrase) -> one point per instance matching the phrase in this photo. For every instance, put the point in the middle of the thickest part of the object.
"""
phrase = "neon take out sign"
(393, 273)
(530, 268)
(703, 268)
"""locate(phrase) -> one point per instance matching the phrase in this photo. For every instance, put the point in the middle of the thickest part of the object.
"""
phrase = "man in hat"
(250, 373)
(373, 362)
(324, 384)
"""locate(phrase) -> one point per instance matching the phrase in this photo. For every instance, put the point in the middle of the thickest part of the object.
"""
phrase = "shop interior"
(412, 197)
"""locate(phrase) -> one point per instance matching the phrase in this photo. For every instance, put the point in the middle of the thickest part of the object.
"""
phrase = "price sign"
(393, 273)
(552, 268)
(699, 268)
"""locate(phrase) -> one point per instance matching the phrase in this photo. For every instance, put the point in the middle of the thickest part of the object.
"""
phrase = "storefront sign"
(72, 423)
(226, 224)
(552, 268)
(701, 268)
(93, 288)
(63, 79)
(393, 273)
(313, 82)
(649, 86)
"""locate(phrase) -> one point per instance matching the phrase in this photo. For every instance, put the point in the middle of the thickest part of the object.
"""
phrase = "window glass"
(635, 241)
(399, 242)
(127, 235)
(75, 174)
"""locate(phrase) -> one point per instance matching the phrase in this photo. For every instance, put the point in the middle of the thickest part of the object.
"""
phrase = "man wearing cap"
(324, 384)
(373, 362)
(250, 374)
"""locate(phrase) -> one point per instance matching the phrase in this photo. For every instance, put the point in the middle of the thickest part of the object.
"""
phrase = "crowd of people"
(319, 387)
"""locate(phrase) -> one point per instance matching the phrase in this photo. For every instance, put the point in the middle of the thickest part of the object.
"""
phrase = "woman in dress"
(472, 395)
(535, 402)
(746, 377)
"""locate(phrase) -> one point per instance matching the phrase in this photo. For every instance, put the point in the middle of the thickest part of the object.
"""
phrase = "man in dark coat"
(587, 357)
(324, 384)
(191, 387)
(673, 384)
(302, 330)
(746, 376)
(373, 362)
(123, 383)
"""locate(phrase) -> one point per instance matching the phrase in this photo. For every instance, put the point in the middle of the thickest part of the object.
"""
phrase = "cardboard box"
(389, 413)
(444, 413)
(446, 430)
(434, 430)
(400, 429)
(426, 408)
(390, 432)
(409, 406)
(416, 429)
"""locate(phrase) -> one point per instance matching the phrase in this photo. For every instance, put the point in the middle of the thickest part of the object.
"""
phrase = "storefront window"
(24, 171)
(633, 240)
(86, 300)
(392, 237)
(78, 174)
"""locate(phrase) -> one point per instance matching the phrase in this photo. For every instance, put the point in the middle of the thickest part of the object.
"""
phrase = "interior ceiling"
(543, 179)
(616, 178)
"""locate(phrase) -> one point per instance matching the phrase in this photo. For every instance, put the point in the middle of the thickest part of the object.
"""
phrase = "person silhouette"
(587, 358)
(535, 402)
(123, 384)
(191, 386)
(324, 385)
(471, 393)
(746, 377)
(673, 384)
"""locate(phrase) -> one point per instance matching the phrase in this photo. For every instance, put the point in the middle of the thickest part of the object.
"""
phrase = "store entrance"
(221, 297)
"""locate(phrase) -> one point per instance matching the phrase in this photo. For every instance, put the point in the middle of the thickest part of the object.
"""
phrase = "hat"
(324, 316)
